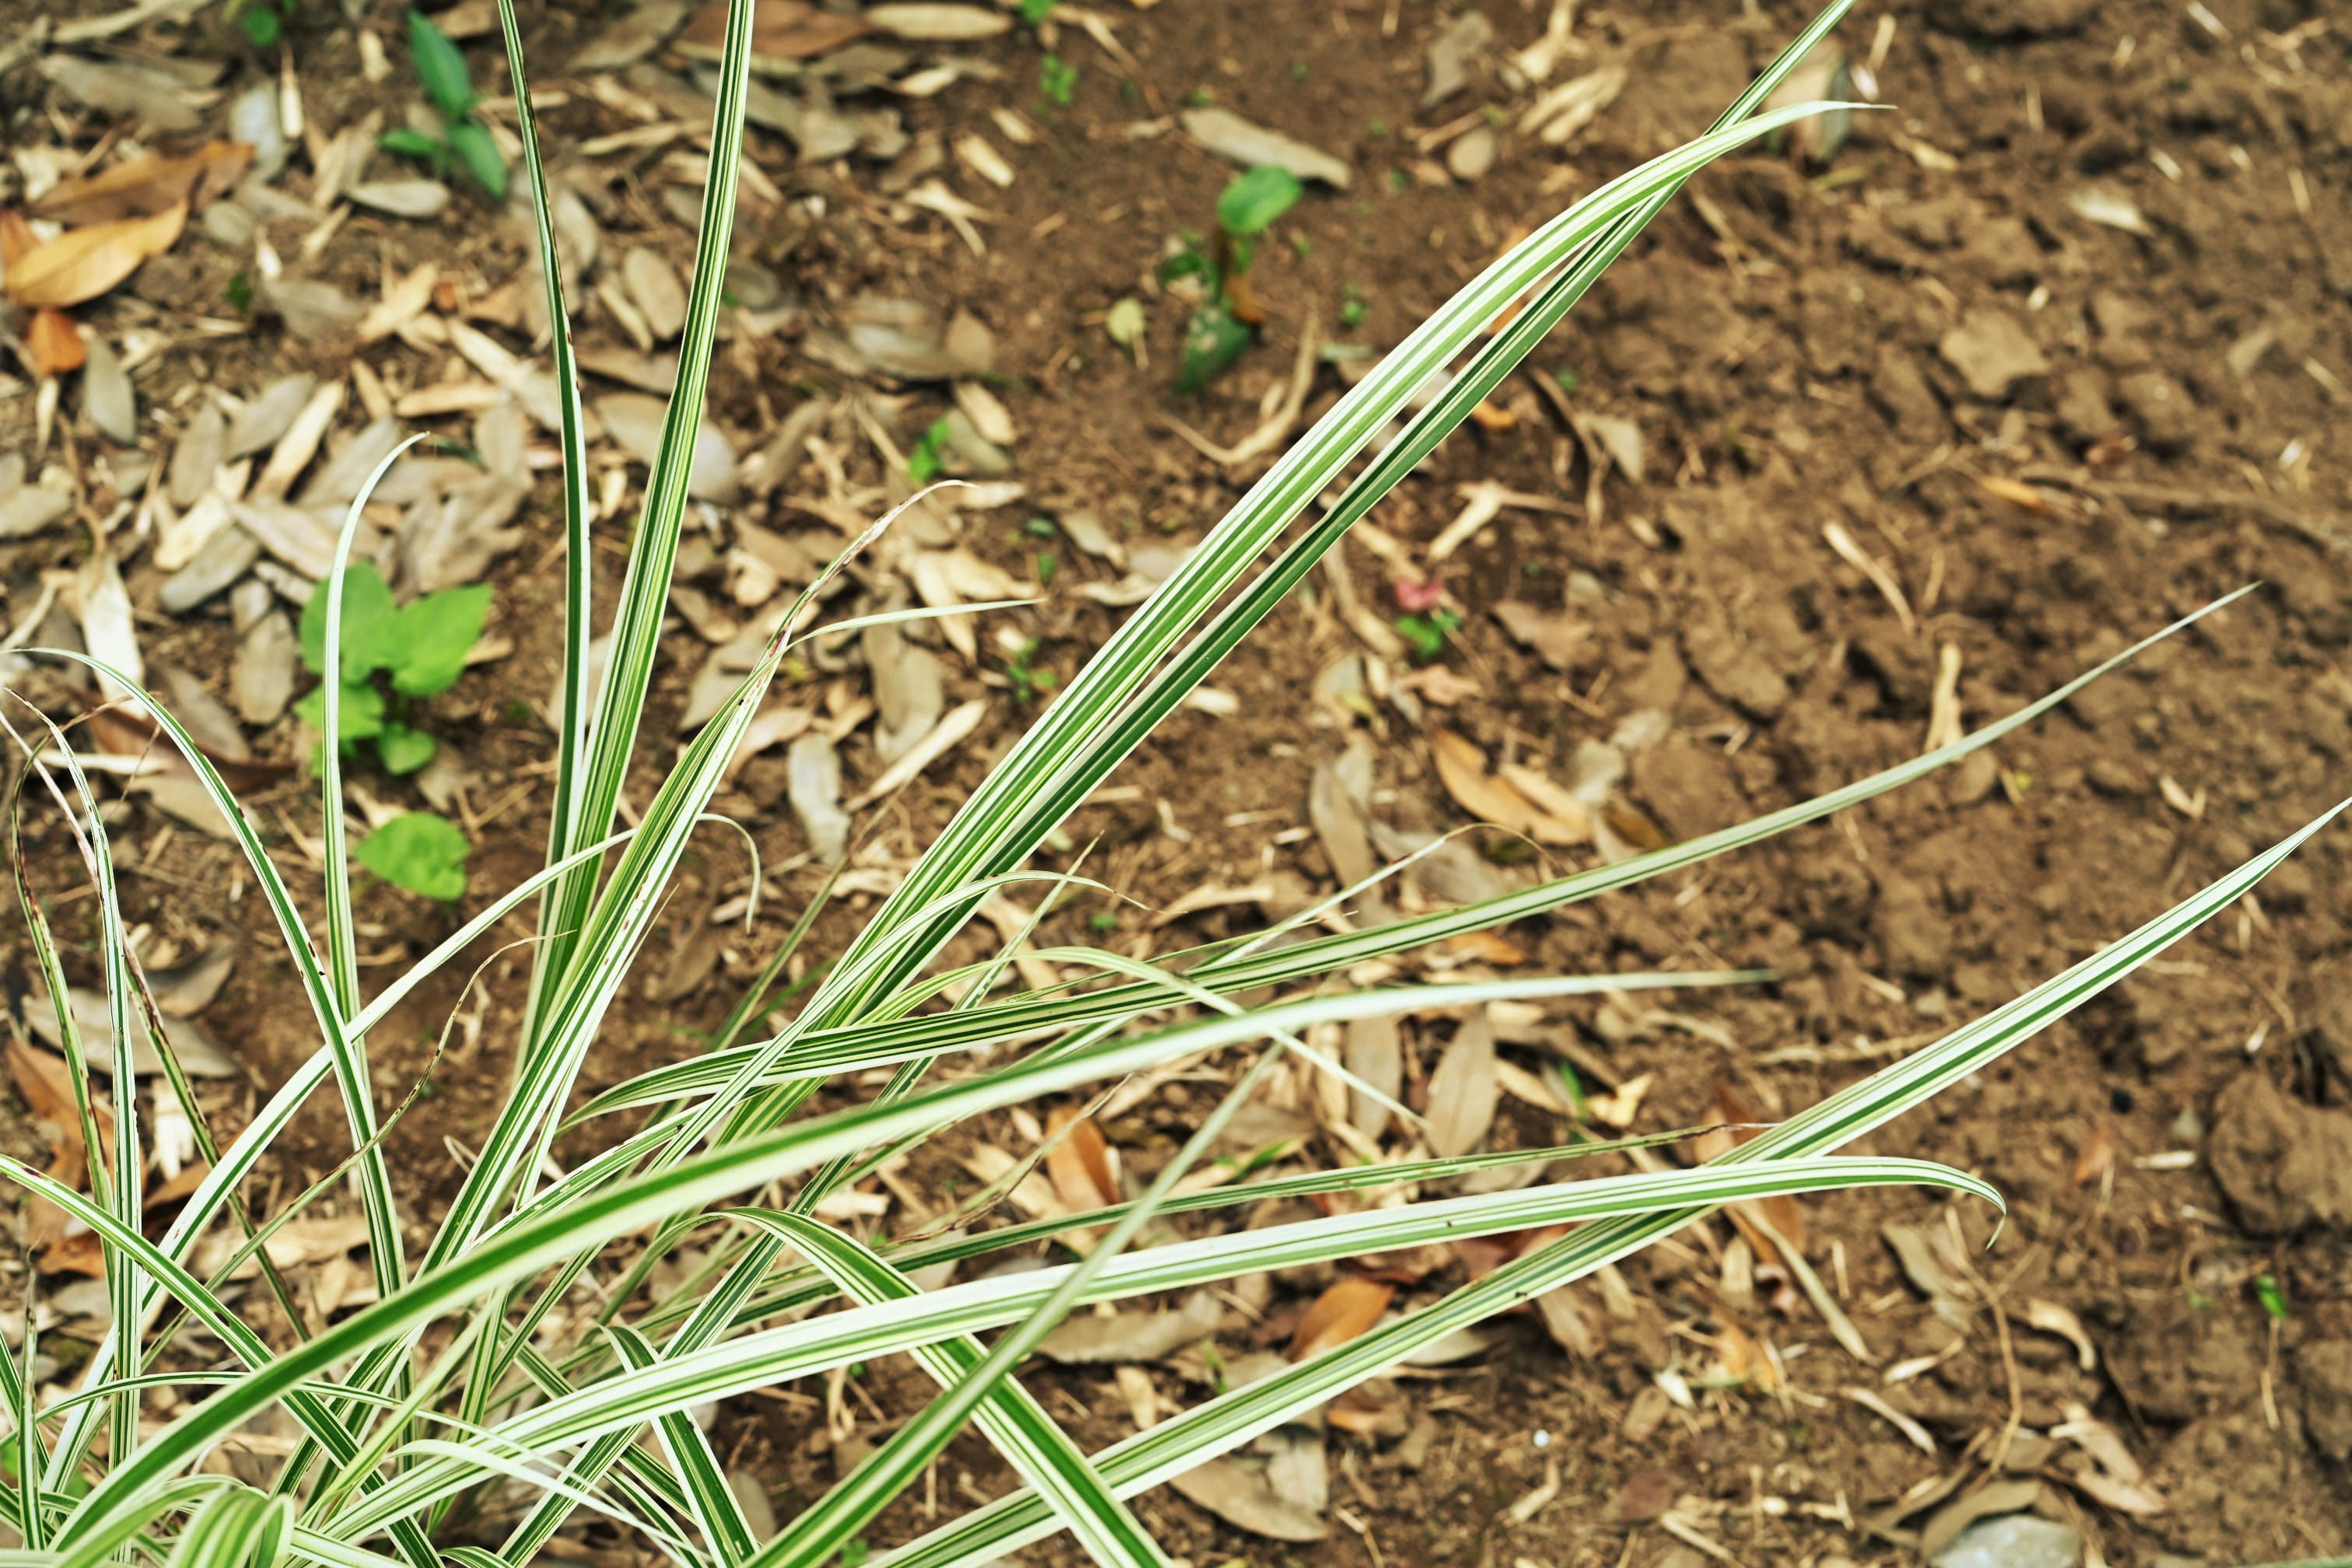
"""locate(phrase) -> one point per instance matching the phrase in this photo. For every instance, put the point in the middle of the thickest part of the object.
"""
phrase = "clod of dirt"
(1688, 787)
(2283, 1164)
(1902, 395)
(2324, 1369)
(1992, 354)
(2084, 412)
(2011, 18)
(2161, 410)
(1729, 666)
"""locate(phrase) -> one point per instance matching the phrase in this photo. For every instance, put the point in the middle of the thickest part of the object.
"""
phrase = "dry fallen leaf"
(782, 30)
(2097, 1158)
(1374, 1054)
(1241, 1497)
(1083, 1169)
(1462, 769)
(143, 186)
(2017, 493)
(55, 348)
(1339, 1315)
(42, 1081)
(1088, 1339)
(1780, 1215)
(83, 263)
(1463, 1090)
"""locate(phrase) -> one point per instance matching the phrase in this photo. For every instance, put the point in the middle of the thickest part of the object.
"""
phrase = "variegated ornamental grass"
(447, 1386)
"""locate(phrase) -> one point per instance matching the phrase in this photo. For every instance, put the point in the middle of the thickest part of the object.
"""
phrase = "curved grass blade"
(716, 1512)
(239, 1527)
(1013, 1420)
(1022, 1017)
(611, 737)
(815, 1344)
(986, 834)
(1219, 1425)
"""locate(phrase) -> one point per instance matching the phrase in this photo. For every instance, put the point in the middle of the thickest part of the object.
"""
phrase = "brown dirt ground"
(1784, 368)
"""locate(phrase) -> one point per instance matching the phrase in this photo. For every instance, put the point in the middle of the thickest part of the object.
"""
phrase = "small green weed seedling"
(450, 87)
(392, 655)
(1226, 320)
(263, 22)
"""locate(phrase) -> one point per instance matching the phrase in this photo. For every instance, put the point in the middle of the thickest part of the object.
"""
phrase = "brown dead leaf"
(143, 186)
(1628, 823)
(1483, 947)
(1240, 1496)
(80, 1253)
(55, 348)
(782, 30)
(1547, 795)
(190, 1178)
(45, 1084)
(1083, 1170)
(17, 237)
(82, 264)
(1463, 1090)
(1780, 1215)
(1339, 1315)
(1462, 769)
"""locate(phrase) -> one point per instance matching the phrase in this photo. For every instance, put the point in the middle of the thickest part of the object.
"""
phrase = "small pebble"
(2012, 1540)
(1472, 155)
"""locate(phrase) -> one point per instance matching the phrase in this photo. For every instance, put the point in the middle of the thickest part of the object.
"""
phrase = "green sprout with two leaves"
(1226, 320)
(393, 656)
(450, 87)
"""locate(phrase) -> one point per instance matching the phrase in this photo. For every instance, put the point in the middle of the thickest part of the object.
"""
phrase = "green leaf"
(359, 716)
(924, 462)
(1252, 203)
(1213, 339)
(414, 143)
(1189, 262)
(260, 24)
(471, 140)
(402, 750)
(370, 643)
(1032, 12)
(422, 852)
(433, 638)
(1057, 80)
(440, 68)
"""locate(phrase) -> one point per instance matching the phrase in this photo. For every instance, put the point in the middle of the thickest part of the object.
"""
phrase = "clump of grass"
(480, 1376)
